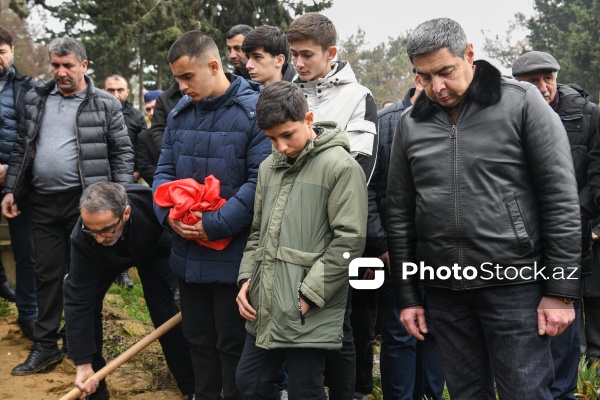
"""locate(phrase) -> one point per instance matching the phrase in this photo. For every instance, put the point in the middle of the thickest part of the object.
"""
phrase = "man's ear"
(331, 53)
(127, 213)
(469, 53)
(214, 66)
(309, 118)
(279, 60)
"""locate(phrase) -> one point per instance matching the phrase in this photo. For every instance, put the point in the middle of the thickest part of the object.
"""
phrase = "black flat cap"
(534, 61)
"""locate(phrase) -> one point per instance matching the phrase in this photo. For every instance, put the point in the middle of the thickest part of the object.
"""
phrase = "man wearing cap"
(581, 120)
(150, 102)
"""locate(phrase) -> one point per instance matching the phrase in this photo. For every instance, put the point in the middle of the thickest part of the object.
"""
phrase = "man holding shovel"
(117, 230)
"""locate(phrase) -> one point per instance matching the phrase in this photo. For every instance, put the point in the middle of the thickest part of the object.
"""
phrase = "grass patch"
(134, 304)
(4, 307)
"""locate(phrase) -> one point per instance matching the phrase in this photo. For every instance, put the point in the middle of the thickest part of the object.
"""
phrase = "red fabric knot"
(186, 195)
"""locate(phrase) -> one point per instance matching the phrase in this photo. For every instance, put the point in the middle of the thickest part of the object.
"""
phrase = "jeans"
(259, 372)
(216, 333)
(492, 329)
(566, 353)
(410, 368)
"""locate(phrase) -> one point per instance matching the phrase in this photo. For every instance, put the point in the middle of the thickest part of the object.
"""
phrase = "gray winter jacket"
(105, 152)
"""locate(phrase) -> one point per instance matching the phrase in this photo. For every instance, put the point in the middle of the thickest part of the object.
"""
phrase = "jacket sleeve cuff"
(84, 360)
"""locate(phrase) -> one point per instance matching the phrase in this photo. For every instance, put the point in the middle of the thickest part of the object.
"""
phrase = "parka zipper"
(304, 273)
(453, 133)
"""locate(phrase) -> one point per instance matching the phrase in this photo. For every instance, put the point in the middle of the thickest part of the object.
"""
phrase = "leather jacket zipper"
(453, 133)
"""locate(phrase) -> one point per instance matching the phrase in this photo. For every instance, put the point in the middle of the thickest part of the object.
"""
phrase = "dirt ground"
(145, 376)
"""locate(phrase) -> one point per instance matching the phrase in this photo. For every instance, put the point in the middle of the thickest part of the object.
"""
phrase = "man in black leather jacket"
(483, 210)
(581, 119)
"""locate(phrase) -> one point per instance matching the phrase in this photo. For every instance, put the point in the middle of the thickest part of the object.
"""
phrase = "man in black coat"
(136, 124)
(581, 119)
(117, 229)
(164, 104)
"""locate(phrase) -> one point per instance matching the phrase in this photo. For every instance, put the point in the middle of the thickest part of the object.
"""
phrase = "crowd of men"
(476, 196)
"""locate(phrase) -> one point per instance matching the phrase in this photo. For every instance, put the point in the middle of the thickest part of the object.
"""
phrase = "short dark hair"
(279, 103)
(193, 44)
(5, 37)
(104, 196)
(117, 76)
(313, 26)
(270, 38)
(67, 45)
(240, 29)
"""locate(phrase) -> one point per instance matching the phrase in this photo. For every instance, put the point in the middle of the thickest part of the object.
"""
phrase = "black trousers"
(340, 365)
(259, 372)
(53, 216)
(161, 305)
(363, 320)
(216, 333)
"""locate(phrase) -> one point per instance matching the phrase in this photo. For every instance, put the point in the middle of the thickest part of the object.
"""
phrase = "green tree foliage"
(132, 38)
(30, 57)
(570, 31)
(385, 69)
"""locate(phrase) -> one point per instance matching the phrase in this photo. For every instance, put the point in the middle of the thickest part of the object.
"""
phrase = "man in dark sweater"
(117, 229)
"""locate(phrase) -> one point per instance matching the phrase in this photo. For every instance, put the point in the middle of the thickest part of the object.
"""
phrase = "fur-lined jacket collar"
(484, 89)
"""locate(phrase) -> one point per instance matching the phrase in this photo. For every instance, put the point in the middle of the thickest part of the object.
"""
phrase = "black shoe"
(7, 292)
(39, 359)
(124, 280)
(101, 393)
(27, 328)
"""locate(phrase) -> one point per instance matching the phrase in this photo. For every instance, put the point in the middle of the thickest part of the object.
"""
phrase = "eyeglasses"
(108, 231)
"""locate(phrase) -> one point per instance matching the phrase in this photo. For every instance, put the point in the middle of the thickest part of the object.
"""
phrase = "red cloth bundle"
(187, 195)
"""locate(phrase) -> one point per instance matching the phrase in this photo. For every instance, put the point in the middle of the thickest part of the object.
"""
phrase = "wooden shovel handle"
(124, 357)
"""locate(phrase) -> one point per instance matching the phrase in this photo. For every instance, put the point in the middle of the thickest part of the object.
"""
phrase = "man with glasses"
(74, 136)
(117, 229)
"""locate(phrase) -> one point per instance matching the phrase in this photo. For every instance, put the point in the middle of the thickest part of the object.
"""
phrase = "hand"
(595, 237)
(304, 306)
(136, 176)
(246, 310)
(413, 319)
(385, 257)
(9, 207)
(84, 371)
(199, 227)
(186, 231)
(3, 170)
(554, 316)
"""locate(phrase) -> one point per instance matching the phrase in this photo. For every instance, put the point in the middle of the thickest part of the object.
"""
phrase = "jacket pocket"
(418, 230)
(518, 224)
(304, 273)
